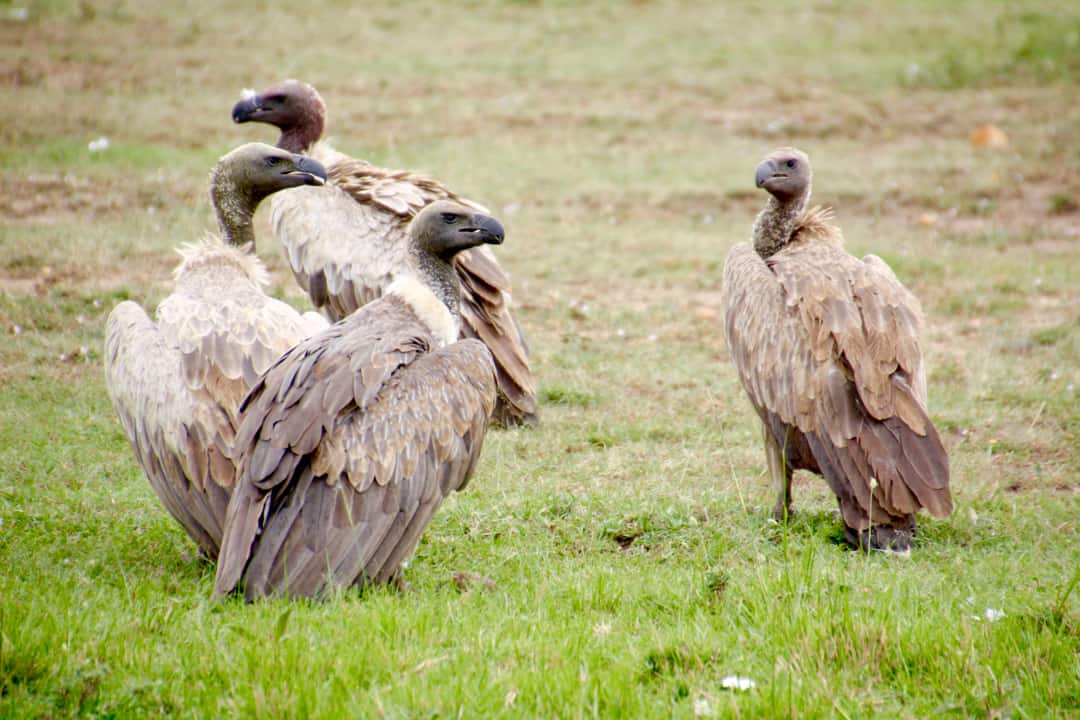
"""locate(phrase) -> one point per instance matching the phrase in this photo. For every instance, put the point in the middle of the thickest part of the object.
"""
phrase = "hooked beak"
(490, 230)
(765, 171)
(313, 171)
(246, 110)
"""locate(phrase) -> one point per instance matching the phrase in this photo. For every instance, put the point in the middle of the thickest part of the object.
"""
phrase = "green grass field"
(617, 561)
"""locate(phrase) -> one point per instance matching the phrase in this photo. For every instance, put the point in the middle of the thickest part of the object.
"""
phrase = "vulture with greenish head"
(348, 241)
(177, 383)
(350, 442)
(827, 347)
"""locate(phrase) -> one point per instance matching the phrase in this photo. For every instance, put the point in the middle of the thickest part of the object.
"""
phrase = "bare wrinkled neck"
(440, 277)
(775, 224)
(234, 210)
(297, 139)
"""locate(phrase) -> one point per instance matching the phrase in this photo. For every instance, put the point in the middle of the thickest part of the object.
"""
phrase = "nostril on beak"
(764, 171)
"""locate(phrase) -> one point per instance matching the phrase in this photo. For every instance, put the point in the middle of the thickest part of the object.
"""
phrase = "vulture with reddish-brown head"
(348, 241)
(177, 383)
(348, 445)
(827, 347)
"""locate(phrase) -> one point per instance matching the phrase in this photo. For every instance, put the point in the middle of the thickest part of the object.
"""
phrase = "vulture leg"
(780, 472)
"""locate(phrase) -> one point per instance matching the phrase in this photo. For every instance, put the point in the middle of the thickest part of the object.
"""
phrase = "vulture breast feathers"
(829, 345)
(347, 446)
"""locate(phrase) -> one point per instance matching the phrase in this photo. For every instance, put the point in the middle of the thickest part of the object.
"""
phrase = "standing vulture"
(349, 443)
(827, 347)
(348, 241)
(177, 384)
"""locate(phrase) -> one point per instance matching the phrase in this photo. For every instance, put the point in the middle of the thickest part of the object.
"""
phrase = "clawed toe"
(782, 514)
(881, 538)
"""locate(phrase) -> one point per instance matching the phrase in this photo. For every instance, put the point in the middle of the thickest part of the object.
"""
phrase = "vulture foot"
(398, 582)
(882, 538)
(782, 512)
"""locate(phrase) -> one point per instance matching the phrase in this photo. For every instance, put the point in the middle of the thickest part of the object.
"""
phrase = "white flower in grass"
(99, 145)
(702, 708)
(989, 615)
(734, 682)
(601, 629)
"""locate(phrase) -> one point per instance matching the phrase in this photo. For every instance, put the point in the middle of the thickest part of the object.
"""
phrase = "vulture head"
(294, 107)
(444, 228)
(784, 173)
(257, 170)
(438, 233)
(244, 177)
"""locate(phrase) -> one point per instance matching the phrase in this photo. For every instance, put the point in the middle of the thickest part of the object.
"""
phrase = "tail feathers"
(241, 527)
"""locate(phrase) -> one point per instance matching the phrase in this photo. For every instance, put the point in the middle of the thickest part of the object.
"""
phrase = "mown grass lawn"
(617, 561)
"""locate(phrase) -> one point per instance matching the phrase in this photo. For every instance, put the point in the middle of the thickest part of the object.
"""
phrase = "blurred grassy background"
(633, 564)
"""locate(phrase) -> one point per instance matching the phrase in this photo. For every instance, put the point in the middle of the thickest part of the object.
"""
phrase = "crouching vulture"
(177, 383)
(348, 241)
(827, 347)
(350, 442)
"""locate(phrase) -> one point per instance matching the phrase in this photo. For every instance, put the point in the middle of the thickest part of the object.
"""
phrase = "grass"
(617, 561)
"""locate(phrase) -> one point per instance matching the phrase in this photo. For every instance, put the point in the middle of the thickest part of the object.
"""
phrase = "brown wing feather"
(485, 314)
(829, 345)
(353, 505)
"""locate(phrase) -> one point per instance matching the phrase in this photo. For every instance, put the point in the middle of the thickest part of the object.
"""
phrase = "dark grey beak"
(764, 171)
(313, 170)
(490, 230)
(245, 110)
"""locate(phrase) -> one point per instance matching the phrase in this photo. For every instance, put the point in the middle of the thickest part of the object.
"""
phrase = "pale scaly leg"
(780, 472)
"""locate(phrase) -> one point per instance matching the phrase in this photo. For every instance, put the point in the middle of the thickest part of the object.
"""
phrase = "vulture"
(827, 347)
(177, 383)
(349, 443)
(348, 241)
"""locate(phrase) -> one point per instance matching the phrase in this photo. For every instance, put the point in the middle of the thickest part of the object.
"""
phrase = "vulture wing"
(349, 444)
(177, 385)
(830, 344)
(181, 440)
(229, 332)
(346, 241)
(342, 253)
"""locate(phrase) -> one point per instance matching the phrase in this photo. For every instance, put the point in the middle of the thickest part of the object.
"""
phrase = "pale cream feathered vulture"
(348, 445)
(347, 242)
(828, 348)
(177, 383)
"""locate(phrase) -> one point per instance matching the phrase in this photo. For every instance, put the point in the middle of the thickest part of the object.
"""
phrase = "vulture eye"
(276, 99)
(272, 161)
(791, 163)
(449, 218)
